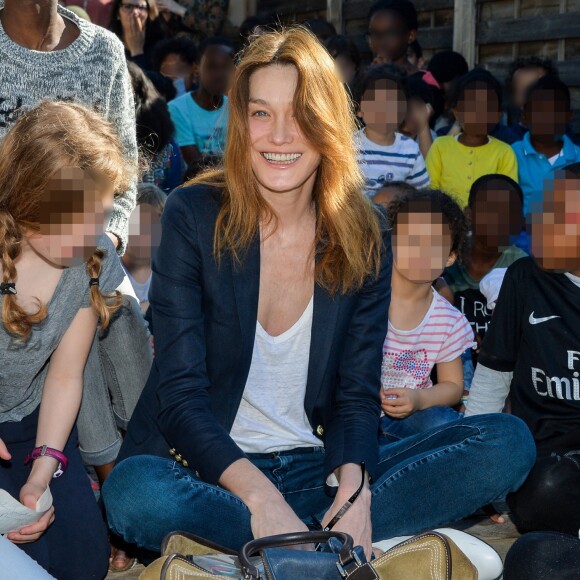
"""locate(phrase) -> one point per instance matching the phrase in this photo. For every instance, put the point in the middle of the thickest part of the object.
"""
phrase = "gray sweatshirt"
(91, 71)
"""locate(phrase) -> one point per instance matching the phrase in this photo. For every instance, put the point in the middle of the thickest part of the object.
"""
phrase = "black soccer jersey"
(535, 333)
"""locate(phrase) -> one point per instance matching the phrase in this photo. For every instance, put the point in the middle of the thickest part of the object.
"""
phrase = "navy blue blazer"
(204, 321)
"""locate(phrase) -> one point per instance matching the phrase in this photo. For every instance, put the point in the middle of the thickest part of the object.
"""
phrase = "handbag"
(427, 556)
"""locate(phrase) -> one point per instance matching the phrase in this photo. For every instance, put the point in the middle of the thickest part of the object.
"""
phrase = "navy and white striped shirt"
(401, 161)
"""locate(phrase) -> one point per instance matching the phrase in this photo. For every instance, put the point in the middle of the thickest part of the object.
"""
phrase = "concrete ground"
(500, 536)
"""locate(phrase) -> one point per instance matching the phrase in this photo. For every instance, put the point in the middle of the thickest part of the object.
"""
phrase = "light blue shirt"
(197, 126)
(534, 168)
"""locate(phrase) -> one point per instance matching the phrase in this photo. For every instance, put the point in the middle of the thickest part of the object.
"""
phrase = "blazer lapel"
(324, 317)
(246, 279)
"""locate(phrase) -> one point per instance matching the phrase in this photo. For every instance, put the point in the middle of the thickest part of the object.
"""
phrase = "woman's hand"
(29, 496)
(274, 517)
(171, 6)
(407, 402)
(134, 27)
(356, 521)
(4, 454)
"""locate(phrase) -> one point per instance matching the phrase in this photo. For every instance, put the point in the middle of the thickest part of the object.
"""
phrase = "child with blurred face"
(425, 330)
(455, 162)
(556, 229)
(545, 148)
(200, 117)
(392, 28)
(494, 213)
(531, 353)
(524, 72)
(385, 154)
(144, 237)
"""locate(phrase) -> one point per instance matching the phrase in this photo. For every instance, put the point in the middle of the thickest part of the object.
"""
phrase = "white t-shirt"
(271, 416)
(380, 164)
(409, 355)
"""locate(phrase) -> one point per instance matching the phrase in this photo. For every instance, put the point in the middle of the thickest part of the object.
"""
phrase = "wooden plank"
(286, 7)
(528, 29)
(464, 18)
(360, 8)
(569, 71)
(434, 38)
(334, 14)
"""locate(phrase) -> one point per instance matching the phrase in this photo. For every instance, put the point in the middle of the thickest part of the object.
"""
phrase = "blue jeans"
(418, 422)
(423, 481)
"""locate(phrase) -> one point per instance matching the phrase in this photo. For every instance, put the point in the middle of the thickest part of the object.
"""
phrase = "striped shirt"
(410, 355)
(380, 164)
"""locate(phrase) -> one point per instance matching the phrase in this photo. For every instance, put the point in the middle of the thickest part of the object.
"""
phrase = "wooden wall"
(293, 12)
(505, 30)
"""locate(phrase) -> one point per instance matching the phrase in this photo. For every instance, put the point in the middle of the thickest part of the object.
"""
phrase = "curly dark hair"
(403, 8)
(481, 184)
(473, 77)
(433, 201)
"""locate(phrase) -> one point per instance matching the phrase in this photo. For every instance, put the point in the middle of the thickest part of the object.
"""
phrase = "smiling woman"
(270, 296)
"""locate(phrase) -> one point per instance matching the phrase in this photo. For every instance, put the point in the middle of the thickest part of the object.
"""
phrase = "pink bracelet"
(49, 452)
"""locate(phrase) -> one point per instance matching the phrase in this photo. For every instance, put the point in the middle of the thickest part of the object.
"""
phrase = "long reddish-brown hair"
(348, 238)
(50, 137)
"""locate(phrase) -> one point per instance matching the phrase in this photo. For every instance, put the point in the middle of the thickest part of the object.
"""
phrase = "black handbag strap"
(250, 571)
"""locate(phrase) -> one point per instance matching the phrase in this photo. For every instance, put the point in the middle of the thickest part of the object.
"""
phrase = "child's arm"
(445, 393)
(489, 391)
(61, 399)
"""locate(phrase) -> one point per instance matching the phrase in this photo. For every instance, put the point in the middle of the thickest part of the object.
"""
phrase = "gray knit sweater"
(93, 71)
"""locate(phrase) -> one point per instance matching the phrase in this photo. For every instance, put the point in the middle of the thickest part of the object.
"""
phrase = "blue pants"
(418, 422)
(75, 546)
(423, 482)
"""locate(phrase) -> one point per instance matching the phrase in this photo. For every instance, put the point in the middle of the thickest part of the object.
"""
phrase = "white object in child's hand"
(14, 516)
(391, 396)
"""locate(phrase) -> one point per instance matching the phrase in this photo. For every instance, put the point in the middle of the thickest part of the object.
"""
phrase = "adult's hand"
(29, 495)
(134, 34)
(172, 7)
(356, 521)
(274, 517)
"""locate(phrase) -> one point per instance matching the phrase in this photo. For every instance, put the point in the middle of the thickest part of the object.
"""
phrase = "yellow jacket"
(453, 167)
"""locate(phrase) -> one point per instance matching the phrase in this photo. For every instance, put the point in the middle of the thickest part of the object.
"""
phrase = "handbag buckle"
(347, 568)
(356, 569)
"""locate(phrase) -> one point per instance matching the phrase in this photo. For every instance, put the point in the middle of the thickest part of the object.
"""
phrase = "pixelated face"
(144, 233)
(346, 68)
(388, 35)
(73, 212)
(556, 229)
(281, 156)
(522, 80)
(417, 110)
(496, 215)
(175, 68)
(546, 115)
(478, 111)
(383, 107)
(215, 69)
(421, 246)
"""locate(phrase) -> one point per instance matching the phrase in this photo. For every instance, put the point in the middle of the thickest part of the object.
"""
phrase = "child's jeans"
(419, 422)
